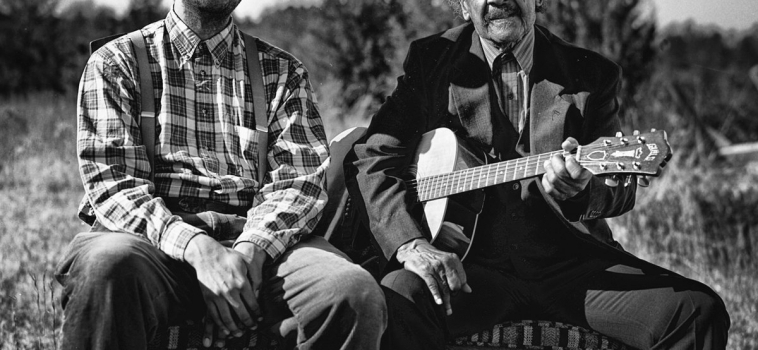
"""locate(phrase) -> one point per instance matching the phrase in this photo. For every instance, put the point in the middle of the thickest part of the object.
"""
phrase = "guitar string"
(469, 175)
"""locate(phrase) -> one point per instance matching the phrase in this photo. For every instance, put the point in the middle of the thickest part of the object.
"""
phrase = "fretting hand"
(564, 176)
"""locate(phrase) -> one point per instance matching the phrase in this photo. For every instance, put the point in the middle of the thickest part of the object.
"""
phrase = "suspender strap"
(259, 104)
(147, 116)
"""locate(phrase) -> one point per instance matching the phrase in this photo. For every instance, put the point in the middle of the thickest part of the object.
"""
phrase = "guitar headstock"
(639, 154)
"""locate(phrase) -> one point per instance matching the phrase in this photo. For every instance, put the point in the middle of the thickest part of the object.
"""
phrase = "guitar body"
(451, 220)
(449, 181)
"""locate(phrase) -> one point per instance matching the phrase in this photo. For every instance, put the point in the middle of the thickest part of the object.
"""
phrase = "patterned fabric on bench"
(190, 337)
(530, 334)
(525, 334)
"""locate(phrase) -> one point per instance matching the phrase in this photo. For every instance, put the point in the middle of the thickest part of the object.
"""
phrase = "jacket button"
(516, 186)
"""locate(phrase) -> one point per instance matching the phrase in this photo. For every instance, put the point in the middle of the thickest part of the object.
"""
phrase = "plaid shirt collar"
(523, 52)
(186, 41)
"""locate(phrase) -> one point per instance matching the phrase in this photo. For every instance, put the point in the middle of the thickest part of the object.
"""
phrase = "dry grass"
(698, 222)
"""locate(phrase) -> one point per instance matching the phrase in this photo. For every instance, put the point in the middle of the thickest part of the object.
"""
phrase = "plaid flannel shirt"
(206, 141)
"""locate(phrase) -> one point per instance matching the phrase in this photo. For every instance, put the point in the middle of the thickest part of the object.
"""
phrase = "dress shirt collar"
(523, 52)
(186, 41)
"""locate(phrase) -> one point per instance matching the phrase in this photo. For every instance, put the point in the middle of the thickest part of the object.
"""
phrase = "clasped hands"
(230, 280)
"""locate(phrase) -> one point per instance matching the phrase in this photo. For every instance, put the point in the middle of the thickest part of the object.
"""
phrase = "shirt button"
(516, 186)
(511, 96)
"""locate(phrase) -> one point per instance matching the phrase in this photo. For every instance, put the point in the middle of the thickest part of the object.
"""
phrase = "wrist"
(409, 247)
(253, 251)
(198, 247)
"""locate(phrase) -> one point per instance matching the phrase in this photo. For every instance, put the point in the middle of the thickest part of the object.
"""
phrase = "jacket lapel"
(551, 97)
(471, 91)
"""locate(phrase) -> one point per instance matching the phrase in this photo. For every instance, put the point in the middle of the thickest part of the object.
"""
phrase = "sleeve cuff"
(273, 246)
(176, 238)
(575, 207)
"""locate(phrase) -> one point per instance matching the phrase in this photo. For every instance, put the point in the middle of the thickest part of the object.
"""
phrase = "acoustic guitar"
(446, 174)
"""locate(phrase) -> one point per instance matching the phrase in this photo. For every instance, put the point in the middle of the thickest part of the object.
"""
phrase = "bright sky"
(737, 14)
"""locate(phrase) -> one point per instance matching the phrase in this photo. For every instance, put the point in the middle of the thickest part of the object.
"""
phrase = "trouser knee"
(710, 310)
(358, 290)
(408, 285)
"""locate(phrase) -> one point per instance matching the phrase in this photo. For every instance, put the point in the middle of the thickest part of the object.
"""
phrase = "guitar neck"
(443, 185)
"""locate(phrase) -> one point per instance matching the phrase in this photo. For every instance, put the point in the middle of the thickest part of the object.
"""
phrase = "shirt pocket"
(248, 144)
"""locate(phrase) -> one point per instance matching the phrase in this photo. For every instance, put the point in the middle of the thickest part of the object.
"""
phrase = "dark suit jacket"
(447, 82)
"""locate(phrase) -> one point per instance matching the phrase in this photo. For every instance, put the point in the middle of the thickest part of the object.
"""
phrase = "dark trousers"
(642, 306)
(119, 291)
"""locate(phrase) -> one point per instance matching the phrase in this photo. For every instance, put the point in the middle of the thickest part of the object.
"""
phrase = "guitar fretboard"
(443, 185)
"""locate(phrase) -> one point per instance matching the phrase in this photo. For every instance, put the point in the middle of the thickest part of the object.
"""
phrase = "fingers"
(564, 177)
(444, 290)
(220, 339)
(455, 275)
(431, 283)
(250, 294)
(442, 272)
(227, 324)
(570, 144)
(240, 309)
(212, 311)
(208, 332)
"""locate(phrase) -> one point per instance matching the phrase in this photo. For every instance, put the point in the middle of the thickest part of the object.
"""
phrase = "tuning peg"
(612, 181)
(627, 180)
(619, 134)
(636, 132)
(643, 181)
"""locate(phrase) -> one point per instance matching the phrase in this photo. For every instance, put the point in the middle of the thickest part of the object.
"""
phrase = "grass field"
(699, 222)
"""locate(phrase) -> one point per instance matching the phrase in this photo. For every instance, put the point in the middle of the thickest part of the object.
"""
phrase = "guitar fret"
(469, 177)
(435, 187)
(537, 167)
(479, 179)
(518, 169)
(456, 183)
(526, 166)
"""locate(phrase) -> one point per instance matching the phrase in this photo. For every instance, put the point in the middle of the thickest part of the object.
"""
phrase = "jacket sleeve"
(599, 200)
(383, 158)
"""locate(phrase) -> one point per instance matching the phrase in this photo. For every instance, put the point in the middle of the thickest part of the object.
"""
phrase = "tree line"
(681, 76)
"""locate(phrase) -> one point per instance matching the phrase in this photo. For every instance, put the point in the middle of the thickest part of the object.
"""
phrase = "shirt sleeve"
(113, 163)
(293, 196)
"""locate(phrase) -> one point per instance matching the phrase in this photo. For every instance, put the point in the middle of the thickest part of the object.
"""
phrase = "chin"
(506, 32)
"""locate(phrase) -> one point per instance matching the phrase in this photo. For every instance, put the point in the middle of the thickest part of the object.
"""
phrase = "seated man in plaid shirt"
(144, 266)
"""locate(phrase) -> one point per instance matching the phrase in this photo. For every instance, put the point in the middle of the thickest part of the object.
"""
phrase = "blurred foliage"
(618, 29)
(686, 78)
(355, 48)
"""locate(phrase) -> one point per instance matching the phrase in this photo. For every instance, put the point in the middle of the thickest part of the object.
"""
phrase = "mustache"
(507, 10)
